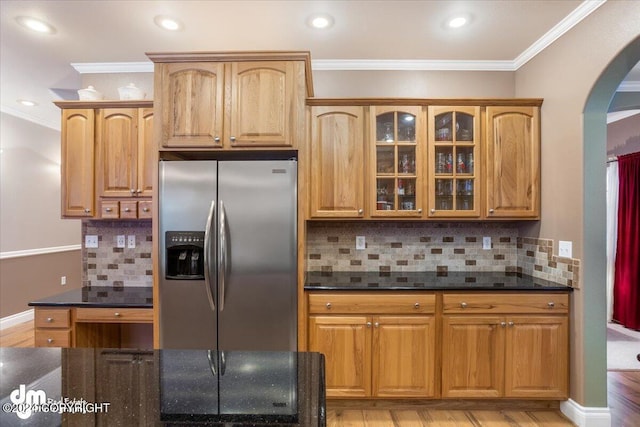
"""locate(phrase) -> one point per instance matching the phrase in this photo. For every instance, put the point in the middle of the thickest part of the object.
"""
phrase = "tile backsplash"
(108, 265)
(418, 246)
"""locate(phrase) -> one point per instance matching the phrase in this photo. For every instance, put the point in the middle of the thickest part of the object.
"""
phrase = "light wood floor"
(623, 395)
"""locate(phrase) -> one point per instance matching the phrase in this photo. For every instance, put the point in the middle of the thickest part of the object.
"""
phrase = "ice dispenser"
(185, 255)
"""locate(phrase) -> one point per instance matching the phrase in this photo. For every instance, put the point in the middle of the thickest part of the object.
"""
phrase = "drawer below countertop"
(114, 315)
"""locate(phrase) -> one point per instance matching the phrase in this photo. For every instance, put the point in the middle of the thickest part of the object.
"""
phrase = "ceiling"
(501, 35)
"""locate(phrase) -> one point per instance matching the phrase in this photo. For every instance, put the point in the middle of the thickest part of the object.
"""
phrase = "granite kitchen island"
(124, 387)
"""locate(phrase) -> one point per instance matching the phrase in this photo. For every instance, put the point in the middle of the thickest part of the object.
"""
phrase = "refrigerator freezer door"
(186, 192)
(258, 309)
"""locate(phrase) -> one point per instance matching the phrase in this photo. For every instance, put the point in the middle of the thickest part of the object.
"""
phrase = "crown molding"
(55, 125)
(620, 115)
(408, 65)
(570, 21)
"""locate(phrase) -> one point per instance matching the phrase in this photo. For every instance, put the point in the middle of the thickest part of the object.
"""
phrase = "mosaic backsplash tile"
(109, 265)
(439, 247)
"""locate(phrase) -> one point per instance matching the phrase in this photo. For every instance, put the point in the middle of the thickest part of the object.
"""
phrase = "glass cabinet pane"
(406, 194)
(464, 160)
(385, 157)
(407, 159)
(444, 160)
(444, 123)
(385, 128)
(406, 127)
(464, 127)
(386, 194)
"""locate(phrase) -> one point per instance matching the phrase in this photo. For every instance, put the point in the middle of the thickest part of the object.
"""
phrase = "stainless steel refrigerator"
(228, 254)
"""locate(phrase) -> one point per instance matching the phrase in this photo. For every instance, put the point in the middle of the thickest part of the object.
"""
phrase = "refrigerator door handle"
(209, 277)
(212, 362)
(223, 363)
(223, 262)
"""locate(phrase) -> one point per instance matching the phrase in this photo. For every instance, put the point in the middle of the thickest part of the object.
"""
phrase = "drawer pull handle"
(503, 324)
(511, 324)
(416, 305)
(127, 210)
(551, 304)
(117, 314)
(49, 340)
(108, 209)
(376, 324)
(328, 305)
(145, 209)
(49, 319)
(368, 324)
(463, 304)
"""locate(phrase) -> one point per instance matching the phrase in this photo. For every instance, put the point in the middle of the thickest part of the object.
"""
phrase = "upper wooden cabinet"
(77, 180)
(337, 162)
(512, 162)
(108, 153)
(397, 136)
(231, 100)
(453, 166)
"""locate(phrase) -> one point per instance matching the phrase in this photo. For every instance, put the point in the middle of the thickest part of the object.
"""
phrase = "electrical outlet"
(90, 241)
(486, 242)
(63, 280)
(131, 241)
(120, 241)
(565, 249)
(361, 243)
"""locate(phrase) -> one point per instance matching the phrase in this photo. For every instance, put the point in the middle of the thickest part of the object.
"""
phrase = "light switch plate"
(131, 241)
(361, 243)
(486, 242)
(90, 241)
(565, 249)
(120, 241)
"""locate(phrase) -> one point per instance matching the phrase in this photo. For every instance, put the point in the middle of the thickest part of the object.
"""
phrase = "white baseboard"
(586, 417)
(16, 319)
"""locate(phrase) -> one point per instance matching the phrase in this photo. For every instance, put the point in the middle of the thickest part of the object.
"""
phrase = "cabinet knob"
(145, 209)
(463, 304)
(433, 211)
(232, 138)
(511, 323)
(127, 210)
(360, 211)
(376, 324)
(551, 304)
(108, 209)
(138, 191)
(368, 324)
(491, 211)
(49, 340)
(87, 210)
(132, 190)
(116, 314)
(49, 319)
(216, 139)
(420, 210)
(416, 305)
(328, 305)
(503, 324)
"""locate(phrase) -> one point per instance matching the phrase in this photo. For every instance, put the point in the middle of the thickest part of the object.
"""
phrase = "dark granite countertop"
(466, 281)
(101, 296)
(254, 388)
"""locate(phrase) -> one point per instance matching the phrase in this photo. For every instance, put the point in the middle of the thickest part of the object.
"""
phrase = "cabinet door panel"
(192, 103)
(345, 341)
(337, 155)
(261, 103)
(122, 388)
(472, 356)
(404, 356)
(512, 162)
(536, 357)
(78, 144)
(146, 153)
(117, 151)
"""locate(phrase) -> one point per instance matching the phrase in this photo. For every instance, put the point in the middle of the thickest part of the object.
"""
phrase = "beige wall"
(27, 278)
(573, 199)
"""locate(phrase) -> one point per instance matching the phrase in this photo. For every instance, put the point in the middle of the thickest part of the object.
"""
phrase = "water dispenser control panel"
(184, 255)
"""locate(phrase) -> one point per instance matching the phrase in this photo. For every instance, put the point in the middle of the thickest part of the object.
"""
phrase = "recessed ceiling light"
(457, 22)
(167, 23)
(320, 21)
(36, 25)
(27, 103)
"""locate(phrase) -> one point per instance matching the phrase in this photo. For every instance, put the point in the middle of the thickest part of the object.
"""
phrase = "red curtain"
(626, 287)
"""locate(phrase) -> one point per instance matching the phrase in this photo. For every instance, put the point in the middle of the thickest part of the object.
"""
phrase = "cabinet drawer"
(144, 209)
(128, 210)
(52, 318)
(114, 315)
(398, 303)
(53, 337)
(505, 303)
(110, 209)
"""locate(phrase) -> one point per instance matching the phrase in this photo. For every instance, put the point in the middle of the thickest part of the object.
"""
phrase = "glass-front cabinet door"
(453, 163)
(397, 135)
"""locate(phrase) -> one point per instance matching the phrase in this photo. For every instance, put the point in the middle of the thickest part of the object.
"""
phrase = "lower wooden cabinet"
(366, 355)
(52, 327)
